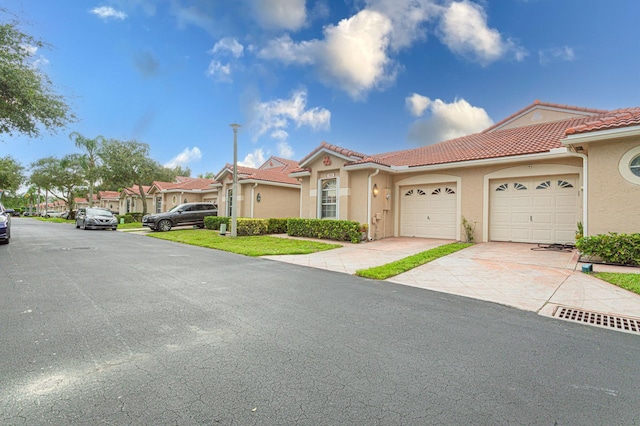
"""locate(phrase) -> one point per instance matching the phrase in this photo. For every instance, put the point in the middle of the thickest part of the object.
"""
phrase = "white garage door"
(535, 210)
(428, 211)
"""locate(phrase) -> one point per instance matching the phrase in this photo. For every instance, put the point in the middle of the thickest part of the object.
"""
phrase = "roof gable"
(542, 112)
(325, 148)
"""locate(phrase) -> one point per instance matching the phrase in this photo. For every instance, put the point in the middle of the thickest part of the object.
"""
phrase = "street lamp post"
(234, 190)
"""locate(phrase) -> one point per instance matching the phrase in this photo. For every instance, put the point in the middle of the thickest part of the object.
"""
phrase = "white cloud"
(448, 121)
(285, 150)
(31, 50)
(407, 17)
(219, 71)
(463, 28)
(352, 55)
(288, 15)
(286, 50)
(417, 104)
(253, 159)
(276, 115)
(564, 53)
(107, 12)
(228, 44)
(185, 157)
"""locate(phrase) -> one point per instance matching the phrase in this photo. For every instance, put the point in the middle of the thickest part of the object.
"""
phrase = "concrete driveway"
(513, 274)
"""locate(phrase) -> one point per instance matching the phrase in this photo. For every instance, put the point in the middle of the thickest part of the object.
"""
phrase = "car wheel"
(164, 225)
(84, 225)
(77, 226)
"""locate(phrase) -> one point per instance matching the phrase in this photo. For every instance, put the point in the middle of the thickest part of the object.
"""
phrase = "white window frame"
(319, 198)
(624, 166)
(229, 202)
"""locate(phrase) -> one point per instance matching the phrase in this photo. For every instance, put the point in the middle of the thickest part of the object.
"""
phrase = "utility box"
(588, 268)
(223, 229)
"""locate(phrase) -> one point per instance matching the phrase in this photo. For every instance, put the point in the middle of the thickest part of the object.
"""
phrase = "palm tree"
(90, 160)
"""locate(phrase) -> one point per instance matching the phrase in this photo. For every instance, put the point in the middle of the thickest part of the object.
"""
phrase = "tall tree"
(61, 177)
(208, 175)
(127, 164)
(27, 100)
(11, 176)
(179, 171)
(90, 160)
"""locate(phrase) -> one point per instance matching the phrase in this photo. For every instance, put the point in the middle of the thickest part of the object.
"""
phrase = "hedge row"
(340, 230)
(623, 249)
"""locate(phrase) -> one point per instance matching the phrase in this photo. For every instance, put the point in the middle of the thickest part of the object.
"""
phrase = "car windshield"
(179, 207)
(98, 212)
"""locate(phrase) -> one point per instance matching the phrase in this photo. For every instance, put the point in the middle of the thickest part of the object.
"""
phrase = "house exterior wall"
(614, 202)
(473, 192)
(275, 201)
(322, 169)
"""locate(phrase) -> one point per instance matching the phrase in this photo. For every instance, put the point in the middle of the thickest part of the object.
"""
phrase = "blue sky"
(369, 75)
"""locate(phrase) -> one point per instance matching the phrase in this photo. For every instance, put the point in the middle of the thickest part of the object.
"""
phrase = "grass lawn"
(52, 219)
(629, 282)
(132, 225)
(403, 265)
(262, 245)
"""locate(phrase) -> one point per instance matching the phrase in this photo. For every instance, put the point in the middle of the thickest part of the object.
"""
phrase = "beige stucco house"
(109, 200)
(529, 178)
(265, 192)
(167, 195)
(131, 202)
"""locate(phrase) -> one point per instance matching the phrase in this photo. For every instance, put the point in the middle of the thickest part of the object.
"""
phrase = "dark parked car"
(5, 224)
(183, 214)
(95, 218)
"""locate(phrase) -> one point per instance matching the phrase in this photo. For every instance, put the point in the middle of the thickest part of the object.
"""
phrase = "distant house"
(131, 201)
(109, 200)
(529, 178)
(84, 201)
(167, 195)
(265, 192)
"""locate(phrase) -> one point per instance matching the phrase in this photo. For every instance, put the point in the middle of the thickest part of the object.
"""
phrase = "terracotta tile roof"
(337, 149)
(547, 104)
(612, 120)
(501, 143)
(272, 175)
(108, 194)
(134, 190)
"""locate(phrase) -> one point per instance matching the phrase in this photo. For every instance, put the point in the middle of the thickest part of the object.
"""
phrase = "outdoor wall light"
(375, 190)
(258, 197)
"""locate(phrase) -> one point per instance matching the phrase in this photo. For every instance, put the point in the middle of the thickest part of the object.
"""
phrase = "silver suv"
(183, 214)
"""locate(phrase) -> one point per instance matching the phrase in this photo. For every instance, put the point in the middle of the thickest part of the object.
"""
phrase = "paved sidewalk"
(507, 273)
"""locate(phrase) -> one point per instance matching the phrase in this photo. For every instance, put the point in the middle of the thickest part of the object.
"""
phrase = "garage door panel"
(542, 219)
(433, 208)
(566, 201)
(543, 210)
(520, 218)
(568, 218)
(520, 233)
(542, 235)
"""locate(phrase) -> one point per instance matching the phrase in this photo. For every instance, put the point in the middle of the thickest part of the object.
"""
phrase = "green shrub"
(128, 218)
(622, 249)
(214, 222)
(277, 226)
(247, 226)
(339, 230)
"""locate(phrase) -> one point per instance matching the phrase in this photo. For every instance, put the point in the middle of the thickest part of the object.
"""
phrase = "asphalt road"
(102, 327)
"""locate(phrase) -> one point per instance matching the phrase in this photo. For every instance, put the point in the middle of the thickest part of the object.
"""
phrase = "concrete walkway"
(513, 274)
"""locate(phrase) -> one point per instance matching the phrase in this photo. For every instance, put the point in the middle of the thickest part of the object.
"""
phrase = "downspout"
(585, 198)
(252, 198)
(369, 203)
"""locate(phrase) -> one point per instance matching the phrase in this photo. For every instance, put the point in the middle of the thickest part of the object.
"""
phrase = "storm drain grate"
(630, 325)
